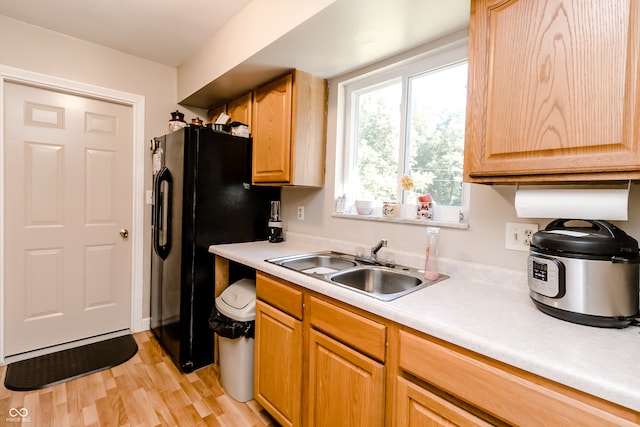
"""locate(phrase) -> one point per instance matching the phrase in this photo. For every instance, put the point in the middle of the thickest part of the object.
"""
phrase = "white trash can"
(237, 302)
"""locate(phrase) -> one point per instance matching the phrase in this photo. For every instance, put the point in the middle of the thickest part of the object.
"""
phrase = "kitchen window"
(408, 120)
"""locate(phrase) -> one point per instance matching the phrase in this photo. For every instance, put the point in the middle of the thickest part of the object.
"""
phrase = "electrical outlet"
(518, 236)
(301, 213)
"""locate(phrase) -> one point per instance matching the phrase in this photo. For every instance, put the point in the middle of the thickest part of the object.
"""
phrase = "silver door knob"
(124, 233)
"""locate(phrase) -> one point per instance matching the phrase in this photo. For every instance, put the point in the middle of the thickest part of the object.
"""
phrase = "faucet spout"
(374, 250)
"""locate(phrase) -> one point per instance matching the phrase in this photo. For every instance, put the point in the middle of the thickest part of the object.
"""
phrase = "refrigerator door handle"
(162, 219)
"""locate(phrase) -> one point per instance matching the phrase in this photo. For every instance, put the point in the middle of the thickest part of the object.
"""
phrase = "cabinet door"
(553, 90)
(278, 364)
(240, 109)
(346, 388)
(272, 132)
(418, 407)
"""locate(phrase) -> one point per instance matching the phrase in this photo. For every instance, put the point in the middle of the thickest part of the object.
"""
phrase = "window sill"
(398, 220)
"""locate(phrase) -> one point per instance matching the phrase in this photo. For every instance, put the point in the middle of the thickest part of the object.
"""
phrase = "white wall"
(38, 50)
(491, 207)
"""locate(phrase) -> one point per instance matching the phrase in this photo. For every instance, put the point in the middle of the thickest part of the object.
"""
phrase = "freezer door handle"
(162, 213)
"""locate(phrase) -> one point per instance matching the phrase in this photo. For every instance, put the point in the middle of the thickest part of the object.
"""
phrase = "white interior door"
(68, 183)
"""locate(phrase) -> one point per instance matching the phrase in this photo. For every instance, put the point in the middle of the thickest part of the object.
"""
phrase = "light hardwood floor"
(147, 390)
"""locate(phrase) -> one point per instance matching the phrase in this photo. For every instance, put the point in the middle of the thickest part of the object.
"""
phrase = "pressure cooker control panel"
(546, 276)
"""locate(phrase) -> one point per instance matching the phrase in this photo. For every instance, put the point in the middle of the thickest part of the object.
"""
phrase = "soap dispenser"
(431, 258)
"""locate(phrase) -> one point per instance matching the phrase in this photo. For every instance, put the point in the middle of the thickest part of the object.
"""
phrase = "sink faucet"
(374, 250)
(373, 258)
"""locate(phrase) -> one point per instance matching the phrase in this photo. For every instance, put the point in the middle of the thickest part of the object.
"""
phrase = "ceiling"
(347, 35)
(164, 31)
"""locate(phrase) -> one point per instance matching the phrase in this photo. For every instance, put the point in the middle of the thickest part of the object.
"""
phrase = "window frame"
(402, 71)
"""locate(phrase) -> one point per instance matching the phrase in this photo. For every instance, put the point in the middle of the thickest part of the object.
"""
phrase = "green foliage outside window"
(435, 135)
(378, 143)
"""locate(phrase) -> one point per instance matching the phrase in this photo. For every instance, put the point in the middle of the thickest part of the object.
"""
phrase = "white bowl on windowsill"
(364, 207)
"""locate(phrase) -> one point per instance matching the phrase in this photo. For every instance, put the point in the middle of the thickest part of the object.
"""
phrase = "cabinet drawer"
(497, 390)
(416, 406)
(357, 331)
(279, 294)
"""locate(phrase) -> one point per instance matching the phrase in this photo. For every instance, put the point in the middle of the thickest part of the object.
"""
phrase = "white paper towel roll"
(609, 204)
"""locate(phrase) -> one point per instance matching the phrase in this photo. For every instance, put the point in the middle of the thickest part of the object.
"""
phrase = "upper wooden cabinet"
(240, 108)
(553, 91)
(288, 129)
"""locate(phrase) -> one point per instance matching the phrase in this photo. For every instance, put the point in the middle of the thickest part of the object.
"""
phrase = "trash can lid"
(238, 301)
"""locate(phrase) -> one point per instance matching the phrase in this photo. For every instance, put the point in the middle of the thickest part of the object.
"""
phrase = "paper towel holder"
(577, 201)
(581, 184)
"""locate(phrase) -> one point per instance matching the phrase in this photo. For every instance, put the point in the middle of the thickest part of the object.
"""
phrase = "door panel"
(43, 283)
(42, 194)
(68, 180)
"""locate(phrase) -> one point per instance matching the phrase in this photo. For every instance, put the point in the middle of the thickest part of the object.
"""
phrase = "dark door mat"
(50, 369)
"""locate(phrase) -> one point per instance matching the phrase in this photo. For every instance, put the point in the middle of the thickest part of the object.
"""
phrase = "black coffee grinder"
(275, 224)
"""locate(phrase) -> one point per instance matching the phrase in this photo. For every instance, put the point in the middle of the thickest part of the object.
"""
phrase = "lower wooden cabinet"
(419, 407)
(316, 363)
(278, 364)
(319, 362)
(365, 335)
(501, 391)
(346, 388)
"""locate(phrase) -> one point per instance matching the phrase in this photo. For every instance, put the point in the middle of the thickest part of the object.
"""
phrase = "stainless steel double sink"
(382, 282)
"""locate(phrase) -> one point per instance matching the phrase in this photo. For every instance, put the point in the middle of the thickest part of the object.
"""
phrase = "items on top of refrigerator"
(221, 123)
(177, 121)
(240, 129)
(222, 119)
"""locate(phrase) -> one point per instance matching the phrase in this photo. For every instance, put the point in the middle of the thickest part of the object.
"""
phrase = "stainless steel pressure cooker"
(586, 272)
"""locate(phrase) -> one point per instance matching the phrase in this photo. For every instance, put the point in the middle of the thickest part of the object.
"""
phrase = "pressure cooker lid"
(584, 237)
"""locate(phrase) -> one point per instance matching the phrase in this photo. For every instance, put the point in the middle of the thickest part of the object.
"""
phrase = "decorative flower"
(406, 182)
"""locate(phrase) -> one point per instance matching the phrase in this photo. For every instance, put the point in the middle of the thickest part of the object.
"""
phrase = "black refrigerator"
(202, 195)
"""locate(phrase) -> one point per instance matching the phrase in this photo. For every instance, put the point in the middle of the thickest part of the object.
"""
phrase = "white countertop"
(494, 317)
